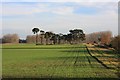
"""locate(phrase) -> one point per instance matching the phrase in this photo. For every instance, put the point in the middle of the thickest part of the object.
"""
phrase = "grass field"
(58, 61)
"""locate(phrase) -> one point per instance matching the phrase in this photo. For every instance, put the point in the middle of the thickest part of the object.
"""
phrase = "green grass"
(52, 61)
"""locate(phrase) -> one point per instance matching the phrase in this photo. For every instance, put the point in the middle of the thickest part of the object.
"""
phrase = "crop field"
(59, 61)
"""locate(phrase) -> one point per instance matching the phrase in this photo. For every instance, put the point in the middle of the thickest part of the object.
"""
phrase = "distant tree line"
(10, 38)
(103, 37)
(73, 37)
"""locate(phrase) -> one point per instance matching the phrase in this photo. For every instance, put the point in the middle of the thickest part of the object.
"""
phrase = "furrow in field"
(110, 60)
(69, 61)
(52, 66)
(97, 59)
(64, 63)
(88, 57)
(72, 62)
(80, 61)
(76, 57)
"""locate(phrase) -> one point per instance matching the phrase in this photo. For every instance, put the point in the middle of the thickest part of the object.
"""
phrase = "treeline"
(32, 39)
(10, 38)
(73, 37)
(103, 37)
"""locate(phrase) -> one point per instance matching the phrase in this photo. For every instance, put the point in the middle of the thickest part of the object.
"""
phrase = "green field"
(58, 61)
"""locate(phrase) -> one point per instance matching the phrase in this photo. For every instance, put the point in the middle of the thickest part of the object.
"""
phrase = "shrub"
(115, 42)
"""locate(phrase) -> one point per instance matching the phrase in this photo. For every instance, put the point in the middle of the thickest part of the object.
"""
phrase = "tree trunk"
(46, 40)
(36, 38)
(41, 40)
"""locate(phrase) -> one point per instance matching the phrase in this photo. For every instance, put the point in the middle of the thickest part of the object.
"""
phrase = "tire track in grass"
(75, 59)
(97, 59)
(82, 61)
(53, 65)
(88, 58)
(91, 60)
(86, 54)
(102, 56)
(85, 57)
(105, 58)
(71, 59)
(67, 63)
(99, 73)
(90, 63)
(78, 62)
(78, 56)
(69, 54)
(94, 64)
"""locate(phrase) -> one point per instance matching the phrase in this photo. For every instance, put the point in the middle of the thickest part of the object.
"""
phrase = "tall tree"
(64, 37)
(48, 36)
(77, 35)
(31, 39)
(35, 31)
(60, 38)
(56, 38)
(42, 33)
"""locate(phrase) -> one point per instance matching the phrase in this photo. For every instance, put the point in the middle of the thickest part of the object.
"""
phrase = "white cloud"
(100, 5)
(40, 8)
(60, 0)
(9, 9)
(63, 10)
(106, 19)
(20, 9)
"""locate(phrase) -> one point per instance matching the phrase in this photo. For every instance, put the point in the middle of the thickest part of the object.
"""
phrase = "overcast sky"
(59, 17)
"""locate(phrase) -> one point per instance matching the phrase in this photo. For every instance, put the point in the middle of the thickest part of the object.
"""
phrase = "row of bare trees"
(103, 37)
(10, 38)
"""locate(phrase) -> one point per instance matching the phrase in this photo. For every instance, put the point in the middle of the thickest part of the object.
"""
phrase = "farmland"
(59, 61)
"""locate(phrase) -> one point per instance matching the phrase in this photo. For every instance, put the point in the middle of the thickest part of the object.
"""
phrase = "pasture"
(59, 61)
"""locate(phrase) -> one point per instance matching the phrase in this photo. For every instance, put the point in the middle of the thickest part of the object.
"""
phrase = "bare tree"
(31, 39)
(10, 38)
(103, 37)
(35, 31)
(115, 42)
(106, 37)
(42, 35)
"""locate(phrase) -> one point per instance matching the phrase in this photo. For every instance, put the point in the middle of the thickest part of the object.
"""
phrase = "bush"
(115, 42)
(10, 38)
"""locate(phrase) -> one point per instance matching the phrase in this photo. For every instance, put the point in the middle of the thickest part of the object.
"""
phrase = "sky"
(59, 17)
